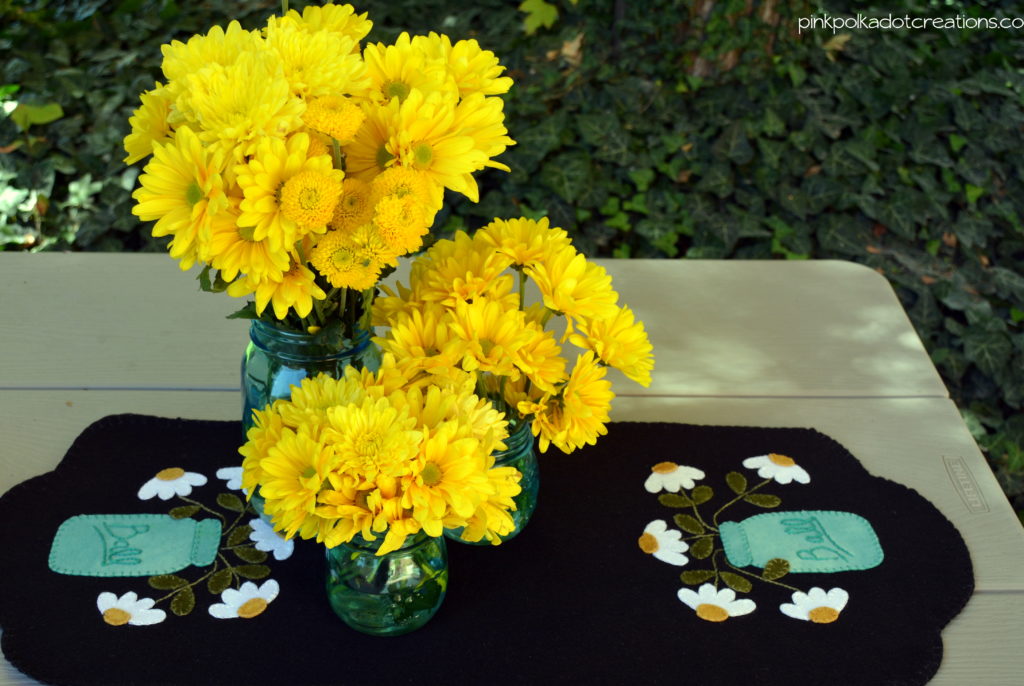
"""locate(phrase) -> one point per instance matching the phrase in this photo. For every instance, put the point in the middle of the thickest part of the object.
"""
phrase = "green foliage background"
(698, 129)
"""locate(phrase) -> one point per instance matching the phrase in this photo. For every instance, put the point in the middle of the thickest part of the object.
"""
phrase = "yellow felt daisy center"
(309, 198)
(823, 615)
(170, 474)
(252, 607)
(781, 460)
(431, 474)
(115, 616)
(712, 613)
(664, 468)
(648, 543)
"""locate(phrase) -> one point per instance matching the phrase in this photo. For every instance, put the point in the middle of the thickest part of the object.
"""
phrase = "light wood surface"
(904, 439)
(821, 344)
(760, 328)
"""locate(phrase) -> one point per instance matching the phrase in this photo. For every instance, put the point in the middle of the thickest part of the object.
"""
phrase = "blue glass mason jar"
(390, 594)
(276, 359)
(520, 452)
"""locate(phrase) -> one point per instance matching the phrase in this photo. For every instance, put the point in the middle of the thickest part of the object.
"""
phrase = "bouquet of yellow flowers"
(465, 312)
(297, 168)
(372, 454)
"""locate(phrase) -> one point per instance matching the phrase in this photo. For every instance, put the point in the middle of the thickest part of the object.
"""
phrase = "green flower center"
(193, 193)
(423, 154)
(431, 474)
(383, 157)
(396, 89)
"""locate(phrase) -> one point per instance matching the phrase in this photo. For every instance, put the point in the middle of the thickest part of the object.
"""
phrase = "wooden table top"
(803, 344)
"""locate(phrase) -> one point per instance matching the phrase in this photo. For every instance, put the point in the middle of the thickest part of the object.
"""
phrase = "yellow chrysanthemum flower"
(295, 290)
(335, 116)
(492, 519)
(287, 194)
(458, 270)
(348, 510)
(523, 241)
(577, 415)
(492, 334)
(373, 440)
(317, 63)
(572, 286)
(540, 359)
(149, 124)
(294, 470)
(216, 47)
(423, 339)
(311, 399)
(620, 342)
(355, 207)
(474, 70)
(233, 250)
(402, 182)
(397, 70)
(368, 154)
(181, 189)
(240, 105)
(402, 222)
(334, 18)
(267, 427)
(451, 480)
(483, 119)
(345, 261)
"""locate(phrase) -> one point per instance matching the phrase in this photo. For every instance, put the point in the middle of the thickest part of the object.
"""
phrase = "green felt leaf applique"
(674, 500)
(702, 494)
(689, 523)
(219, 581)
(695, 577)
(183, 602)
(776, 568)
(167, 582)
(702, 548)
(230, 501)
(736, 582)
(736, 481)
(184, 512)
(240, 535)
(253, 571)
(250, 554)
(763, 500)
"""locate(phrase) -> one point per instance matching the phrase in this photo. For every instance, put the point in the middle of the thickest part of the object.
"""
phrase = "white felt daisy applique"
(714, 605)
(128, 609)
(170, 482)
(270, 541)
(233, 477)
(781, 468)
(670, 476)
(664, 543)
(816, 605)
(246, 602)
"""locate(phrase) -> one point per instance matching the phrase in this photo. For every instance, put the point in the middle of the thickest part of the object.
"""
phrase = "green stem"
(284, 7)
(204, 507)
(696, 513)
(336, 154)
(189, 585)
(522, 290)
(737, 499)
(759, 578)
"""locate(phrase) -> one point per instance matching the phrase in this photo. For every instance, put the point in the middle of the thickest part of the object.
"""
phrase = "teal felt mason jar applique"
(116, 545)
(810, 540)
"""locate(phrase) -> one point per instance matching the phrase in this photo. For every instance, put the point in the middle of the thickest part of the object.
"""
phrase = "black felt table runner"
(573, 599)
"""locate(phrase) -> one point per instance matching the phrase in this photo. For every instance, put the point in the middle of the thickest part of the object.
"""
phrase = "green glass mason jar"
(520, 453)
(391, 594)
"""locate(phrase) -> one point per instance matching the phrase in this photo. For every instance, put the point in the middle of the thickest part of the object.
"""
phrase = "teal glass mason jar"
(520, 453)
(276, 359)
(391, 594)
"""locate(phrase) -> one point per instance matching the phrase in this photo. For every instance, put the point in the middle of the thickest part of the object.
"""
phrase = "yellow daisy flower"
(149, 124)
(370, 151)
(459, 270)
(540, 359)
(474, 70)
(397, 70)
(216, 47)
(311, 399)
(492, 334)
(355, 206)
(342, 258)
(267, 427)
(423, 338)
(182, 189)
(492, 519)
(317, 63)
(577, 415)
(524, 241)
(335, 116)
(483, 119)
(572, 286)
(348, 510)
(334, 18)
(620, 342)
(296, 290)
(287, 194)
(233, 250)
(373, 439)
(240, 105)
(294, 470)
